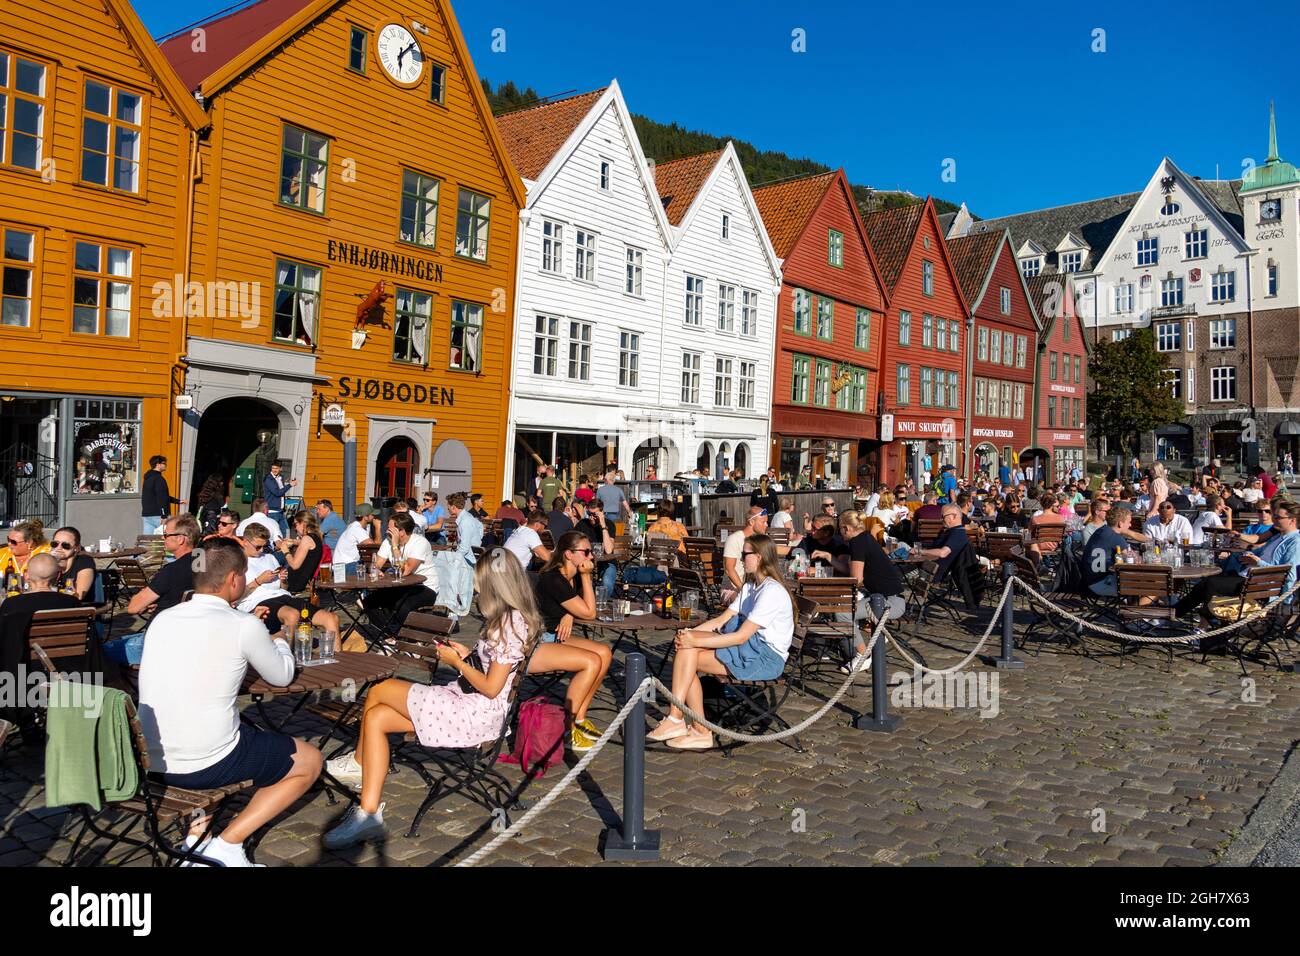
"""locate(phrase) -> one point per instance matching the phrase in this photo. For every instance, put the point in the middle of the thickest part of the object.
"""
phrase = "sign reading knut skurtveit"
(914, 427)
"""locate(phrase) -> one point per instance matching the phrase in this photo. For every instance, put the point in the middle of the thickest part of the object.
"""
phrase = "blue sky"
(1011, 92)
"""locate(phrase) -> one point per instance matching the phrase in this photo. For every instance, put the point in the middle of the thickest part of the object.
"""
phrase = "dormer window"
(1031, 266)
(1072, 261)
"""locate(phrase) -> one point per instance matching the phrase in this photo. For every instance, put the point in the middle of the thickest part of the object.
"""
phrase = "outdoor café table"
(361, 669)
(633, 626)
(355, 583)
(114, 555)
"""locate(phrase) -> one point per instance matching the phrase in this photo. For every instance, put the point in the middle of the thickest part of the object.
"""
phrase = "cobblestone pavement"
(1085, 762)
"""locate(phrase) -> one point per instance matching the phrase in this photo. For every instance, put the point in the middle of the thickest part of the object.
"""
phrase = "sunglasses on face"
(14, 542)
(62, 545)
(584, 551)
(749, 554)
(224, 524)
(174, 534)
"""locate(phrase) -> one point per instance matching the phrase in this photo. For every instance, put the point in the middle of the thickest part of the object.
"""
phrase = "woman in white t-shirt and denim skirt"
(749, 641)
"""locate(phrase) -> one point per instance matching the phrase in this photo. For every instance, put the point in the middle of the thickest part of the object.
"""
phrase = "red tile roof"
(787, 206)
(680, 181)
(972, 258)
(225, 38)
(533, 135)
(892, 232)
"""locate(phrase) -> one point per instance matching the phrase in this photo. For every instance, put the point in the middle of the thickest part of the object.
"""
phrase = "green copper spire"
(1274, 174)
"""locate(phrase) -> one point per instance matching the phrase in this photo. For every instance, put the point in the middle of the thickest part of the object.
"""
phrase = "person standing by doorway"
(155, 497)
(274, 488)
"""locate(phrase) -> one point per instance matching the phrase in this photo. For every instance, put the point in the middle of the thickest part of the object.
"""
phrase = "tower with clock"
(1270, 202)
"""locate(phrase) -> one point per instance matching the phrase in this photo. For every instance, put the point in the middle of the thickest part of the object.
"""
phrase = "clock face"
(399, 54)
(1270, 209)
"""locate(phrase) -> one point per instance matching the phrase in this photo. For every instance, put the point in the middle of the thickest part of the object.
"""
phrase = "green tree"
(1131, 389)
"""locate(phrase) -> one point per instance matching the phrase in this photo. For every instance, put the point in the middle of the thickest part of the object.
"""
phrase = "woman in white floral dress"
(443, 715)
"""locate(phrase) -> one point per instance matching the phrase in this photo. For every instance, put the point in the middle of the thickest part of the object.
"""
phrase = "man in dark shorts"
(167, 588)
(190, 677)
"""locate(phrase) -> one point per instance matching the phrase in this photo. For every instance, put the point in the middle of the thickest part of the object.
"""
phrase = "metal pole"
(633, 841)
(349, 474)
(1006, 659)
(880, 720)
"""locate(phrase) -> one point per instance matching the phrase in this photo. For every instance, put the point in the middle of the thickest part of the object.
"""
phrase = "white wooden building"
(600, 328)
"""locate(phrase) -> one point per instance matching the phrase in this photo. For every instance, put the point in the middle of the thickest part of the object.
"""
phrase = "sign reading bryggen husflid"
(384, 263)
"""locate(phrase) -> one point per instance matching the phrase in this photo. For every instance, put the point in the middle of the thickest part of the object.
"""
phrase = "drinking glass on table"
(686, 605)
(329, 640)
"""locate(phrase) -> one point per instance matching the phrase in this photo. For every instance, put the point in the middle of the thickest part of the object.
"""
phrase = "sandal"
(693, 741)
(670, 728)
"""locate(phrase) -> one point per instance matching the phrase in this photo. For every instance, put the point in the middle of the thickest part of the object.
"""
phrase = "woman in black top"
(76, 570)
(1013, 515)
(212, 498)
(565, 593)
(764, 497)
(304, 560)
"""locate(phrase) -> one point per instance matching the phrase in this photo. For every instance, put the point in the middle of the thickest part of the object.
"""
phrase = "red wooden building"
(923, 362)
(1001, 356)
(826, 373)
(1062, 436)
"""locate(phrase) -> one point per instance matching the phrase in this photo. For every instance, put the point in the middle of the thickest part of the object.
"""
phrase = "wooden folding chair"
(836, 601)
(1263, 586)
(928, 530)
(1135, 582)
(780, 536)
(58, 635)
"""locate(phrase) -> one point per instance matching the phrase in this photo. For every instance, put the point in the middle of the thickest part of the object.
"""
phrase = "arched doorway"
(742, 459)
(704, 457)
(239, 439)
(986, 460)
(723, 463)
(1038, 462)
(656, 452)
(396, 468)
(452, 469)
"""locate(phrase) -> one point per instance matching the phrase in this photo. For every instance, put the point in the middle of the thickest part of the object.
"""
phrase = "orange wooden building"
(354, 248)
(96, 139)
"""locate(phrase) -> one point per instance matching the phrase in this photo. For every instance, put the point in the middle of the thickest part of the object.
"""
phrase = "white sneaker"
(345, 769)
(218, 850)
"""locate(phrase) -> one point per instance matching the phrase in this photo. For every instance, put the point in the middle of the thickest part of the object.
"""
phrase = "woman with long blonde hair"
(25, 539)
(750, 640)
(444, 715)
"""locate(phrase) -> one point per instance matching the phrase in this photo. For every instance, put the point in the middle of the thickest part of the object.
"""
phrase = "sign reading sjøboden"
(382, 389)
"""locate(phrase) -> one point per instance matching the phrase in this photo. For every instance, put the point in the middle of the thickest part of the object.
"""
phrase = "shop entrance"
(29, 459)
(1225, 443)
(396, 467)
(986, 460)
(239, 440)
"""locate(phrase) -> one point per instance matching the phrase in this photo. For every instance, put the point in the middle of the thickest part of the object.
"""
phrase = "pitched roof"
(533, 135)
(892, 232)
(1096, 221)
(680, 181)
(169, 83)
(224, 38)
(787, 206)
(972, 258)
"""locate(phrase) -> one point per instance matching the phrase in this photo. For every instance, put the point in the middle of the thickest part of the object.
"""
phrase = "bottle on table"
(302, 638)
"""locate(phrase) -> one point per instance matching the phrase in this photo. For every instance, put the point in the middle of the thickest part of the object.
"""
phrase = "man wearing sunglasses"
(168, 586)
(1167, 527)
(227, 522)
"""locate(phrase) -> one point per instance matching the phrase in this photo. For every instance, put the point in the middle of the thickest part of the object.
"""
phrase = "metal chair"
(1263, 586)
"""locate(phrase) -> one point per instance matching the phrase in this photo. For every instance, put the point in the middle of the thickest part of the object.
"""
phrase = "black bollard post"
(880, 720)
(1006, 660)
(633, 841)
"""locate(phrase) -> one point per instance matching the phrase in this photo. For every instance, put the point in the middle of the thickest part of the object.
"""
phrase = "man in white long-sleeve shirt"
(190, 676)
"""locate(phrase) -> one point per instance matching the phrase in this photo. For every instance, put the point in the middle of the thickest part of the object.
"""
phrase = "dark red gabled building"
(1001, 355)
(826, 372)
(1061, 438)
(923, 363)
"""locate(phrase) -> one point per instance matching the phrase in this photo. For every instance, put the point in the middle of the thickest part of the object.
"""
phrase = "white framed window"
(995, 348)
(584, 255)
(1051, 363)
(1071, 261)
(17, 269)
(941, 334)
(1174, 379)
(552, 247)
(690, 378)
(1196, 244)
(1223, 286)
(835, 254)
(1004, 398)
(1270, 282)
(940, 388)
(111, 131)
(862, 330)
(748, 312)
(606, 175)
(927, 330)
(1022, 348)
(1124, 297)
(1169, 337)
(954, 390)
(1119, 335)
(904, 390)
(748, 385)
(579, 351)
(722, 368)
(853, 398)
(1030, 266)
(726, 308)
(1191, 385)
(726, 226)
(904, 328)
(546, 345)
(694, 300)
(22, 111)
(1223, 383)
(1018, 401)
(1171, 292)
(927, 277)
(1148, 251)
(1004, 300)
(981, 396)
(1008, 346)
(103, 289)
(1223, 333)
(982, 344)
(825, 318)
(800, 373)
(1191, 335)
(927, 386)
(629, 359)
(822, 383)
(635, 267)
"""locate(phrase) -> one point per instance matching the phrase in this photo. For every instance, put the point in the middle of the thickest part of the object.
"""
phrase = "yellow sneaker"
(579, 742)
(588, 728)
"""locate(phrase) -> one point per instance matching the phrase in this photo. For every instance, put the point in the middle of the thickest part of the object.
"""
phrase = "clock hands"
(402, 55)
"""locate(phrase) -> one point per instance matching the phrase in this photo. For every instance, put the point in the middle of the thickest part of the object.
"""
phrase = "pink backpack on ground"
(539, 738)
